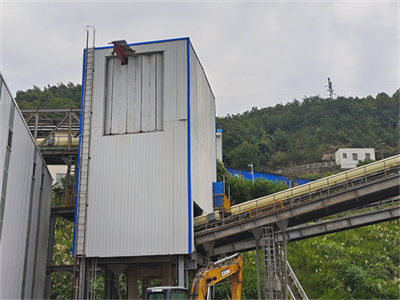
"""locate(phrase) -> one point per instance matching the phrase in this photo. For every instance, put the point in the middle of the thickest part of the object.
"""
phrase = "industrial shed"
(152, 151)
(25, 184)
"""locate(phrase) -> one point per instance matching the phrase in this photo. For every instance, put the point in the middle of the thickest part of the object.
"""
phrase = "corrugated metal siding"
(138, 198)
(26, 211)
(134, 99)
(202, 122)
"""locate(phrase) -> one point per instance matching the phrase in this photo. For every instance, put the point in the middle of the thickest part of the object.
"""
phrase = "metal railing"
(309, 192)
(63, 197)
(296, 283)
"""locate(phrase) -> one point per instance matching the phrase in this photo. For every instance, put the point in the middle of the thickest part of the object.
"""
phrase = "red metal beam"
(121, 54)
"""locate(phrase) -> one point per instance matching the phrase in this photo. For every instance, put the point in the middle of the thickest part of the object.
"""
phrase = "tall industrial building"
(148, 155)
(25, 185)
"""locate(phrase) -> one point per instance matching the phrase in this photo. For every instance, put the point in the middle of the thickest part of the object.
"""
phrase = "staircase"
(294, 286)
(272, 264)
(81, 210)
(273, 260)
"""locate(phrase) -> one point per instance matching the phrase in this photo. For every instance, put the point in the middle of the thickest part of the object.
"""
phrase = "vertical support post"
(167, 274)
(132, 283)
(69, 130)
(146, 282)
(109, 284)
(181, 270)
(258, 268)
(285, 269)
(36, 126)
(257, 235)
(50, 249)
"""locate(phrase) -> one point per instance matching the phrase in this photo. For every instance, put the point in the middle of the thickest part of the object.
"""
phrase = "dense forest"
(362, 263)
(301, 132)
(56, 96)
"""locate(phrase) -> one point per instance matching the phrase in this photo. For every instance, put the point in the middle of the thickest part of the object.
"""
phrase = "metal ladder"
(80, 226)
(272, 264)
(70, 182)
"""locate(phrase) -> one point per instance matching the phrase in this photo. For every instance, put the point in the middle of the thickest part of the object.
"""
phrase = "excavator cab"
(203, 281)
(167, 293)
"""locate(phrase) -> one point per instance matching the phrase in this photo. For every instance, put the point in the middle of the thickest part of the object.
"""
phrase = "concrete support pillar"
(109, 286)
(167, 274)
(181, 271)
(146, 283)
(209, 246)
(132, 283)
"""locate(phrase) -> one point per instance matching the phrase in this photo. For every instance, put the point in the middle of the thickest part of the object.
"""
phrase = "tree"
(60, 96)
(221, 171)
(365, 162)
(243, 155)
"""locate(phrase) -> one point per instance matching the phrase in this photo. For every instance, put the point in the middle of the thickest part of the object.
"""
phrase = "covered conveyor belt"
(362, 217)
(329, 196)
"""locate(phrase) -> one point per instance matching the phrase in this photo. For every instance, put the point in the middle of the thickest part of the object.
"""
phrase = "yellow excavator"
(203, 281)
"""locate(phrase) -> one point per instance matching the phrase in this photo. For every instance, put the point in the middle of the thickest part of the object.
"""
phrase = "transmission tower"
(330, 88)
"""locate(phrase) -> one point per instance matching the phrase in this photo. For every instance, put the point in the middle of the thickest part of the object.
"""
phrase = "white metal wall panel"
(138, 183)
(134, 98)
(202, 127)
(26, 211)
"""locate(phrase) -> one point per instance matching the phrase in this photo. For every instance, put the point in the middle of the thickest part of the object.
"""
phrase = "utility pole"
(252, 173)
(330, 89)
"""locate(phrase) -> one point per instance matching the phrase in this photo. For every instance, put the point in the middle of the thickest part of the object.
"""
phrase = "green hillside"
(362, 263)
(301, 132)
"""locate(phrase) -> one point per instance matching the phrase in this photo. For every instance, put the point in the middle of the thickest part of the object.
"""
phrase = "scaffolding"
(272, 263)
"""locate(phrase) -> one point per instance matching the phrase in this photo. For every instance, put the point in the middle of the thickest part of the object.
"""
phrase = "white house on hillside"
(348, 158)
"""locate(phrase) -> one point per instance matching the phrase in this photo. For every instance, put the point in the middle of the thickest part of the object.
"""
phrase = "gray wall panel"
(18, 259)
(202, 135)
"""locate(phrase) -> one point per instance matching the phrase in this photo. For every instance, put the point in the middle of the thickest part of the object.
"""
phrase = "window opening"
(41, 180)
(34, 169)
(9, 141)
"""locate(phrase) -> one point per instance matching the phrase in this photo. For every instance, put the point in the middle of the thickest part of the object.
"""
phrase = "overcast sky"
(255, 54)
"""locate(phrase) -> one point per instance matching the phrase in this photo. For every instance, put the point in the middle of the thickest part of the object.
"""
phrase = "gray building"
(152, 150)
(25, 184)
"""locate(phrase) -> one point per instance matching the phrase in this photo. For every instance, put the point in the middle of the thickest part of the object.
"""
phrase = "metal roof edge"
(148, 42)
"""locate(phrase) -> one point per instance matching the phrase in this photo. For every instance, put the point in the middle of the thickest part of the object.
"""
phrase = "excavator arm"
(215, 272)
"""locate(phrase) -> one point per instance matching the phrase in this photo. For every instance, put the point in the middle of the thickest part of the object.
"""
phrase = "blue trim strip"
(79, 152)
(145, 43)
(189, 149)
